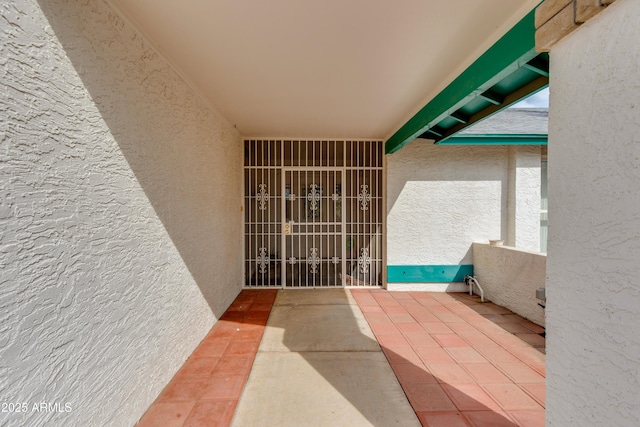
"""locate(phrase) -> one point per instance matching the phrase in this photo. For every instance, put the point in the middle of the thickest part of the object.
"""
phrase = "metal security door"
(312, 228)
(313, 213)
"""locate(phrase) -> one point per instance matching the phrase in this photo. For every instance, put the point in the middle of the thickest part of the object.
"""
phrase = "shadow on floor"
(490, 376)
(320, 364)
(320, 350)
(508, 321)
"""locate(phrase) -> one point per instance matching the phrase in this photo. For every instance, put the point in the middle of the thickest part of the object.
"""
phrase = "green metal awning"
(506, 73)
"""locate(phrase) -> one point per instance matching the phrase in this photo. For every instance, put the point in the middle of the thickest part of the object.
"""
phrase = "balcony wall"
(510, 277)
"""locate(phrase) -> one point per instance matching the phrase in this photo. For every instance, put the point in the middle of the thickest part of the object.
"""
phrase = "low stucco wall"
(510, 277)
(120, 223)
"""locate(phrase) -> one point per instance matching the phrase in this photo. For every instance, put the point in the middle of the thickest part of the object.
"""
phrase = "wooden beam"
(560, 24)
(555, 19)
(548, 9)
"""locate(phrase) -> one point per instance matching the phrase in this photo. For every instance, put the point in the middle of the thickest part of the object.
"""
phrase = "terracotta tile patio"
(459, 361)
(206, 390)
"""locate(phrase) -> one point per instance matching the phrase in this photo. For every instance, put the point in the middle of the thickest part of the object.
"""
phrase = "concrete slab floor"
(320, 365)
(315, 297)
(323, 389)
(317, 320)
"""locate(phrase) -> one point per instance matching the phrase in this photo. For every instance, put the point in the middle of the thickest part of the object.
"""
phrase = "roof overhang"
(506, 73)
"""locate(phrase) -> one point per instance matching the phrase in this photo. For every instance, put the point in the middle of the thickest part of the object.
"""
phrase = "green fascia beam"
(514, 49)
(497, 139)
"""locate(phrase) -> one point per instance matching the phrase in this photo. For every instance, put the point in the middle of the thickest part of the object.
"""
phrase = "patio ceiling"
(321, 69)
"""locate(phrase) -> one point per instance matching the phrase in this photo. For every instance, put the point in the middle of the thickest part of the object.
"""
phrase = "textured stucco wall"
(509, 277)
(523, 200)
(593, 292)
(442, 198)
(120, 224)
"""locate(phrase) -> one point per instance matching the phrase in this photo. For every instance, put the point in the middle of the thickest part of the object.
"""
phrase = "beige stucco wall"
(120, 223)
(509, 277)
(593, 295)
(523, 200)
(442, 198)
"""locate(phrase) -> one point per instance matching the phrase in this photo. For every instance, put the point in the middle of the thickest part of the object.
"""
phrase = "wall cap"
(509, 248)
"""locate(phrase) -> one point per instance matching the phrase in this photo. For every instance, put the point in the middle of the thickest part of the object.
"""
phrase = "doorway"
(313, 213)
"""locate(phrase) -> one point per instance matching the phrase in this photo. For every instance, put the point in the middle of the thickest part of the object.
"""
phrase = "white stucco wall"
(523, 200)
(509, 277)
(442, 198)
(120, 224)
(593, 293)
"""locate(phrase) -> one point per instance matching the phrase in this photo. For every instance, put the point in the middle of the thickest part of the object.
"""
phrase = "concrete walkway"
(319, 364)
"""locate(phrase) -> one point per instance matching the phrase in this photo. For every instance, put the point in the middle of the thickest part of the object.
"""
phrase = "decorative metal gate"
(313, 213)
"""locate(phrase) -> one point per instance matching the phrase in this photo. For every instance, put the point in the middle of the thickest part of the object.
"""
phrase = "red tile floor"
(206, 390)
(459, 361)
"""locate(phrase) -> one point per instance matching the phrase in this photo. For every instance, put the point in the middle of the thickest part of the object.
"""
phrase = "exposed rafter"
(538, 65)
(534, 86)
(492, 97)
(458, 116)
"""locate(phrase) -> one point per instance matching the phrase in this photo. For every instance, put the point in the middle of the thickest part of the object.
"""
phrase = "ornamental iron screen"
(313, 213)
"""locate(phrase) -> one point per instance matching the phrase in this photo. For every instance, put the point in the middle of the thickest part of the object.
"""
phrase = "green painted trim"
(497, 139)
(428, 273)
(509, 53)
